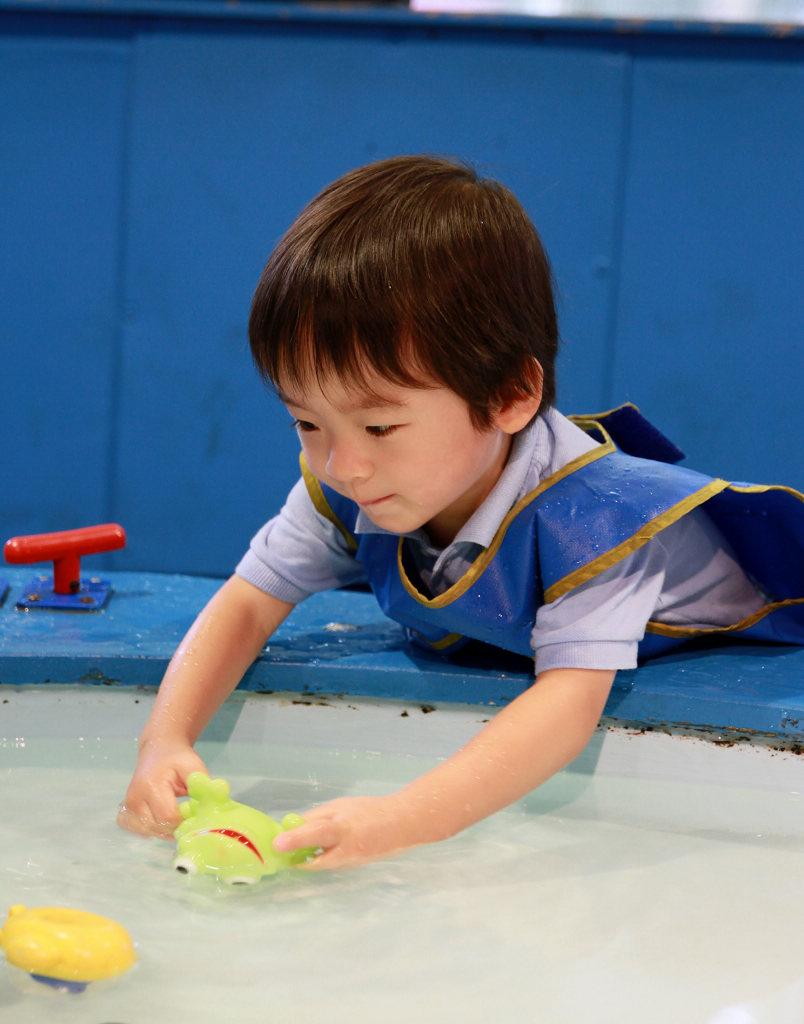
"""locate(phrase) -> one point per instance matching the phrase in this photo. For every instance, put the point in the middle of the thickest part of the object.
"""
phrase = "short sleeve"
(686, 576)
(599, 624)
(299, 552)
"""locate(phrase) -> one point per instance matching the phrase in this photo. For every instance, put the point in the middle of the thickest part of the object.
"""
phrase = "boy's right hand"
(150, 807)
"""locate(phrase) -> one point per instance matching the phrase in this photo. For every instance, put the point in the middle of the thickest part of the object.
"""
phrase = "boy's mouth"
(375, 502)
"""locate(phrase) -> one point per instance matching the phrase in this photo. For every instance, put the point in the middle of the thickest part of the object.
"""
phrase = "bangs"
(329, 313)
(323, 348)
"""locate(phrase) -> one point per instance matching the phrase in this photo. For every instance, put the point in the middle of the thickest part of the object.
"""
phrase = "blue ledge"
(341, 643)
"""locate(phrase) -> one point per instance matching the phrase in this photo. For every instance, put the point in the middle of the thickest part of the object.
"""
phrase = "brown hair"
(416, 269)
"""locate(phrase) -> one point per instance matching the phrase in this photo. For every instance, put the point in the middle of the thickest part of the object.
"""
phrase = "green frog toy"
(230, 840)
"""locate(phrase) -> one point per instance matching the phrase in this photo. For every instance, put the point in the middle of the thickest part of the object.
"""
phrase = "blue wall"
(151, 156)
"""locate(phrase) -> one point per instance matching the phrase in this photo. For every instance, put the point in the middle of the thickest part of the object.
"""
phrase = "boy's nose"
(346, 463)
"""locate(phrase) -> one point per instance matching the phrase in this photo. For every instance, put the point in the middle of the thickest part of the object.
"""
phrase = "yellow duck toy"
(66, 949)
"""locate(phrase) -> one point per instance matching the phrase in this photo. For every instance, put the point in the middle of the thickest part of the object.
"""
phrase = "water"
(603, 900)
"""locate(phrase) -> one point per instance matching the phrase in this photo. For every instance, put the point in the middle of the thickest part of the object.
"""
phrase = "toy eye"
(185, 866)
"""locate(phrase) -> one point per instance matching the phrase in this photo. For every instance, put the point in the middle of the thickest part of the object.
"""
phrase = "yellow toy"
(64, 948)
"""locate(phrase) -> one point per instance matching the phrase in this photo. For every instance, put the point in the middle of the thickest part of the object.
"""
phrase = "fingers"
(323, 862)
(348, 832)
(324, 834)
(144, 824)
(150, 807)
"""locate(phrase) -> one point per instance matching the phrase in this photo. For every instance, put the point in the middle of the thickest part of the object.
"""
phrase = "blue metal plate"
(39, 594)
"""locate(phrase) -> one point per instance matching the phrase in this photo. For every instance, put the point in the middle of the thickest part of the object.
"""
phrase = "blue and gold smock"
(595, 511)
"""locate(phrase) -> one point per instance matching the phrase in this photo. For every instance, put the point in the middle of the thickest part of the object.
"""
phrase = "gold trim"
(594, 417)
(685, 632)
(605, 561)
(761, 488)
(321, 504)
(481, 563)
(443, 643)
(641, 537)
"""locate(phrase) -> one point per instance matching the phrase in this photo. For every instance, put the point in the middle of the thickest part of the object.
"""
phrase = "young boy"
(407, 322)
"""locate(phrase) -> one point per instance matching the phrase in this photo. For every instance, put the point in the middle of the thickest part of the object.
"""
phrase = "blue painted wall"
(151, 156)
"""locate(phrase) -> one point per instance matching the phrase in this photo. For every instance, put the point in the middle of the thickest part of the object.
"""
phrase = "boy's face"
(409, 457)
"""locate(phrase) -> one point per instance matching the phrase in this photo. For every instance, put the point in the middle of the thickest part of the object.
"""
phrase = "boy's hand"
(150, 807)
(526, 742)
(352, 831)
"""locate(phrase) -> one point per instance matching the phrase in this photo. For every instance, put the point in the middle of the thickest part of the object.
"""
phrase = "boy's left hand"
(352, 831)
(526, 742)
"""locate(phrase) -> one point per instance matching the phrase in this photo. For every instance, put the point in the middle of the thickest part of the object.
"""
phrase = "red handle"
(65, 548)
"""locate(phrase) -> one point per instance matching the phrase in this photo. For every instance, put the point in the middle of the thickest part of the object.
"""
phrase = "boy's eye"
(304, 425)
(382, 431)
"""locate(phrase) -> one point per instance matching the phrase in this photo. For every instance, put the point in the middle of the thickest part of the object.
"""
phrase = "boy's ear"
(517, 414)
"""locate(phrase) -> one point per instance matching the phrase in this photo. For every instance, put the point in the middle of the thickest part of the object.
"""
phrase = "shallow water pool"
(658, 879)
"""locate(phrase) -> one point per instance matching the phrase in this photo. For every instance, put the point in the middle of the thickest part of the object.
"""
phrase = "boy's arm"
(531, 739)
(221, 644)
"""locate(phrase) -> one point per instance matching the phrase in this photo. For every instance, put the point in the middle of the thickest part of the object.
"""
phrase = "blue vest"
(589, 515)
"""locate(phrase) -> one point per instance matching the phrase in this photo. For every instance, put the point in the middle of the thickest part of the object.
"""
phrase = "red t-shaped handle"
(65, 548)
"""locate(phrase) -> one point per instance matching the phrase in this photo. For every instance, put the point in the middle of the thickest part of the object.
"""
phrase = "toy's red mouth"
(233, 834)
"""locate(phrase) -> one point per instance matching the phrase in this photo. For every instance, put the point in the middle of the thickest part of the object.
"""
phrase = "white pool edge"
(94, 714)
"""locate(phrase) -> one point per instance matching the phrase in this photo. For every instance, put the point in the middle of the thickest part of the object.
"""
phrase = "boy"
(407, 322)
